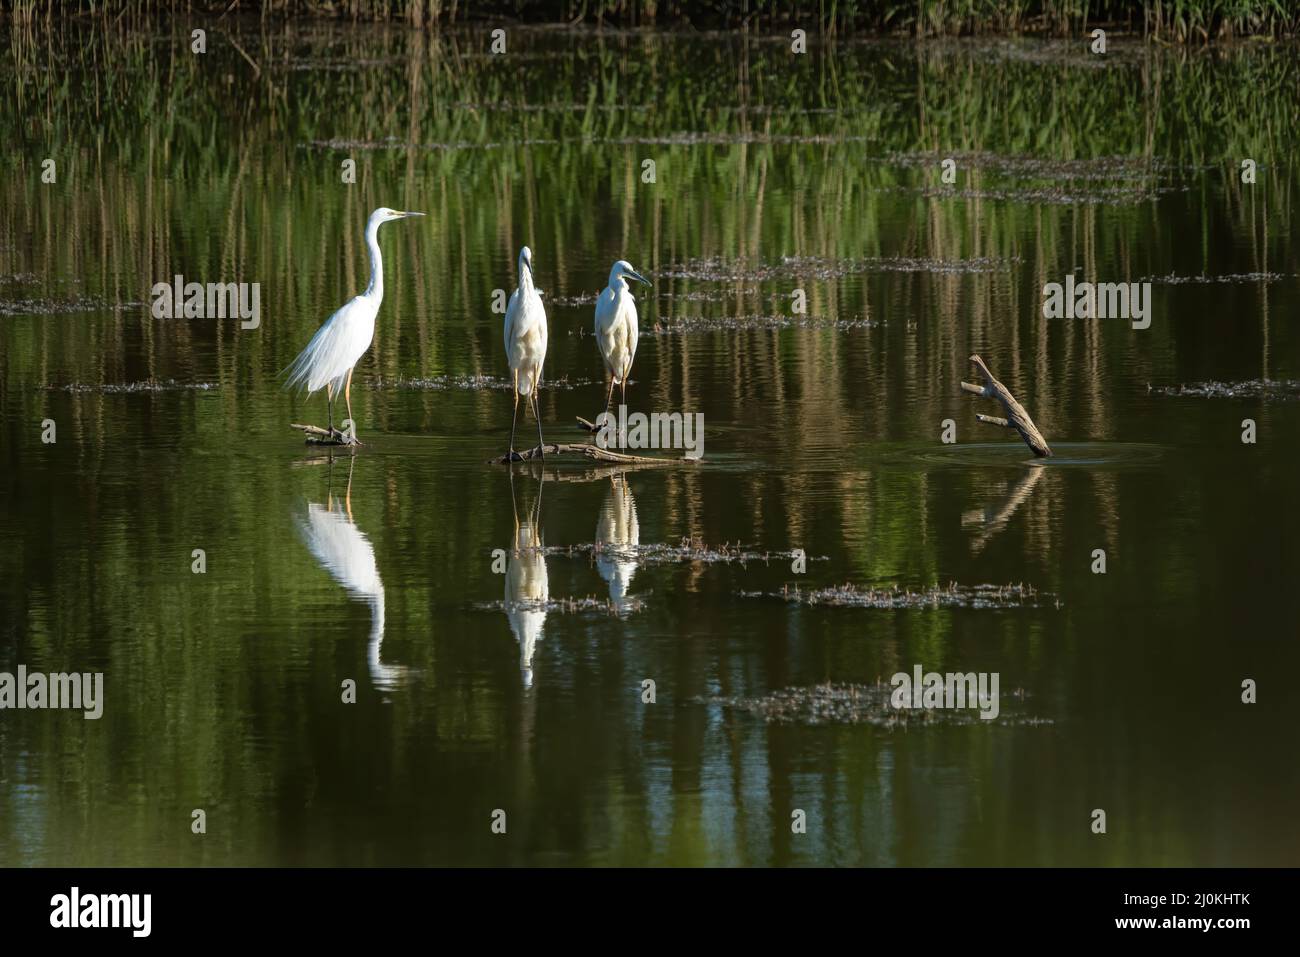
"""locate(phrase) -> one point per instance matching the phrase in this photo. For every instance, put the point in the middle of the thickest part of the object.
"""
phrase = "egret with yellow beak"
(339, 344)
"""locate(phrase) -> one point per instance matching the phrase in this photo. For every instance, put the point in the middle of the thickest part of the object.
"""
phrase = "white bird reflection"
(527, 587)
(616, 530)
(344, 551)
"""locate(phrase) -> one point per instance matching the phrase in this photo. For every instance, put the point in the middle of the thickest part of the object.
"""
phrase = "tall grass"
(1177, 21)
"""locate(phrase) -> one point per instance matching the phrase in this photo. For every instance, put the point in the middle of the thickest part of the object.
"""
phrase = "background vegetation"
(1178, 21)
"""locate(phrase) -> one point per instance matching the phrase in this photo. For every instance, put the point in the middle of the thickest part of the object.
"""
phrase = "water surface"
(520, 687)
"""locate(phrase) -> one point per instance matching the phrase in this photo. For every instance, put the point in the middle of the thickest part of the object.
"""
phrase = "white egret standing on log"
(616, 328)
(335, 349)
(525, 335)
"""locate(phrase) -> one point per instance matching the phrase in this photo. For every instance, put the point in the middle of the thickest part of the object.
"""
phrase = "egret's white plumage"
(616, 326)
(618, 533)
(525, 338)
(343, 339)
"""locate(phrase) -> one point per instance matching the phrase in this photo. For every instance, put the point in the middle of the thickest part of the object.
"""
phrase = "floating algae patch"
(1048, 195)
(581, 299)
(716, 295)
(687, 138)
(1046, 52)
(1068, 181)
(693, 295)
(689, 550)
(1231, 277)
(685, 325)
(1249, 389)
(134, 388)
(393, 143)
(61, 307)
(568, 606)
(870, 704)
(720, 269)
(471, 383)
(1102, 168)
(823, 268)
(951, 595)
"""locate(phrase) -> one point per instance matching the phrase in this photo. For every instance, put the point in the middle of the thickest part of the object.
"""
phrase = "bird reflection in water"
(617, 536)
(345, 552)
(527, 588)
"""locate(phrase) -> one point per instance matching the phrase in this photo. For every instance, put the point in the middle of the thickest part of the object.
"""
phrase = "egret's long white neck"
(376, 288)
(525, 278)
(616, 280)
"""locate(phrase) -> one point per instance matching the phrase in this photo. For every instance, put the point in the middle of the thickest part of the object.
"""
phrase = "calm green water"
(773, 172)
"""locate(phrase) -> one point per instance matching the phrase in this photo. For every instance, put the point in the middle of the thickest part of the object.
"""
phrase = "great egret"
(334, 350)
(525, 335)
(616, 329)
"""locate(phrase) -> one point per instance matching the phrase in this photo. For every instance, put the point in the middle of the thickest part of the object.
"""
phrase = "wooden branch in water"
(318, 436)
(585, 449)
(1017, 418)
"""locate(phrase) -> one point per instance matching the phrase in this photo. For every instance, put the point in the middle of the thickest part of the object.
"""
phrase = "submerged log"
(1017, 418)
(585, 449)
(318, 436)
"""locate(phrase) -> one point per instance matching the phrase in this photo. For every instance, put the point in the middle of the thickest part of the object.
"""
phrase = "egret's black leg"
(514, 419)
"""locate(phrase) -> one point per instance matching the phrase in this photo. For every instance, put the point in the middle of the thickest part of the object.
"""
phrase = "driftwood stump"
(1017, 418)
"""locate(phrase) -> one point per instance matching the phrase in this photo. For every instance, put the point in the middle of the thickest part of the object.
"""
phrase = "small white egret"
(525, 336)
(616, 327)
(335, 349)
